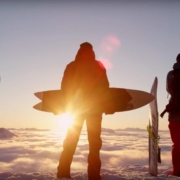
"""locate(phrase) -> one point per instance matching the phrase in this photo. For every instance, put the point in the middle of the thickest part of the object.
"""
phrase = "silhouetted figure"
(83, 85)
(173, 108)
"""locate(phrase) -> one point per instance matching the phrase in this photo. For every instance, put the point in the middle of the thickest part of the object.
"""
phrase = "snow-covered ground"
(33, 154)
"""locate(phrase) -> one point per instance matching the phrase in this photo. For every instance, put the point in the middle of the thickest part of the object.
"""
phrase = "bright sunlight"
(64, 121)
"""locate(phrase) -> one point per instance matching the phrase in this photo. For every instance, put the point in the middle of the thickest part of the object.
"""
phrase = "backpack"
(174, 103)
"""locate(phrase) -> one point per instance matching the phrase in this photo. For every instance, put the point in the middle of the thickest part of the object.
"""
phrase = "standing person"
(86, 80)
(173, 88)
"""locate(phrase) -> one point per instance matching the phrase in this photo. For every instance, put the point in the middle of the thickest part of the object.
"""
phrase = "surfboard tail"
(38, 106)
(39, 95)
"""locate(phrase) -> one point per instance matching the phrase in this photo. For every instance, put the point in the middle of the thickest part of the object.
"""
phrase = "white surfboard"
(154, 150)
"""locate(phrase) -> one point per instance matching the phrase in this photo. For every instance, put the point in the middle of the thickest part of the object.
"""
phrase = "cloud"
(39, 151)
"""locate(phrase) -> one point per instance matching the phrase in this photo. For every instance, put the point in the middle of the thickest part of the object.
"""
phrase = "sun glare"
(64, 121)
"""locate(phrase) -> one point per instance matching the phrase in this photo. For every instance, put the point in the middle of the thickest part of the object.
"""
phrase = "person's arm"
(105, 82)
(169, 82)
(106, 79)
(66, 83)
(65, 79)
(68, 77)
(168, 89)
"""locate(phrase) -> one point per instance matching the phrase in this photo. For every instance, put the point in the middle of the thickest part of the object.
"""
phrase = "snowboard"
(154, 150)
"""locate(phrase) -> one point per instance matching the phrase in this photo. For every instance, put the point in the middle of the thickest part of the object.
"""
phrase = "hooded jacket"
(169, 76)
(85, 80)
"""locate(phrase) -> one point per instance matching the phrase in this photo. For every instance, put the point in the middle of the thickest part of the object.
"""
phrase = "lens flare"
(108, 46)
(107, 64)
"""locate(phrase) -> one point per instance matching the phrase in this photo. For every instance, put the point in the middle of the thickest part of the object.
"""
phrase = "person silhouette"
(173, 108)
(83, 85)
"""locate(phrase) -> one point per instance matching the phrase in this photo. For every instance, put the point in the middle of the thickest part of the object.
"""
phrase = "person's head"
(178, 58)
(85, 53)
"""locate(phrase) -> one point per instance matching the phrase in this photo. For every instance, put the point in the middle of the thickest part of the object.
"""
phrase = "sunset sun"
(64, 121)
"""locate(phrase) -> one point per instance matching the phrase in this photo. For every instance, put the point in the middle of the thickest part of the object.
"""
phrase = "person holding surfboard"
(173, 108)
(85, 78)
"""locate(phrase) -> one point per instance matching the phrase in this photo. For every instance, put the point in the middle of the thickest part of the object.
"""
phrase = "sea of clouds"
(34, 154)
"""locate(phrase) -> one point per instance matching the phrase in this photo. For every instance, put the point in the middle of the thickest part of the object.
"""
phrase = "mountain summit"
(4, 133)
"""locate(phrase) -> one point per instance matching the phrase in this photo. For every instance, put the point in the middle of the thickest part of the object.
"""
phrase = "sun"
(64, 121)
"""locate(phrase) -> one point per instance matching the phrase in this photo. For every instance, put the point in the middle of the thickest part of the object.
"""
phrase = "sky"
(136, 40)
(124, 154)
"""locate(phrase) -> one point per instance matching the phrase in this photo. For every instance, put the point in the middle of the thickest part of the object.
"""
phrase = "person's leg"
(69, 147)
(174, 128)
(93, 123)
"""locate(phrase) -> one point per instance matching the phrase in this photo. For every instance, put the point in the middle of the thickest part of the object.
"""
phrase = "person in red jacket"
(83, 85)
(173, 88)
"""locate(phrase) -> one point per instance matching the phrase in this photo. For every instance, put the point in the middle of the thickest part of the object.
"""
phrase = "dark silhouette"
(83, 85)
(173, 108)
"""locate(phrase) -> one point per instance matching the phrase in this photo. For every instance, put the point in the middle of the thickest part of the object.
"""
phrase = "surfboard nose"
(39, 95)
(140, 98)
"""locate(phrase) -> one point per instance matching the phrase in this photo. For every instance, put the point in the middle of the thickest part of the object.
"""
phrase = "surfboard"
(154, 150)
(115, 100)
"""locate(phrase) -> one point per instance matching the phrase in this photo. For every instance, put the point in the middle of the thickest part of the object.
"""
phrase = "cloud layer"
(123, 152)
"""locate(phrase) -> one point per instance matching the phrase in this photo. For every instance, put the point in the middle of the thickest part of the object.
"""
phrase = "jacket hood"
(85, 52)
(176, 65)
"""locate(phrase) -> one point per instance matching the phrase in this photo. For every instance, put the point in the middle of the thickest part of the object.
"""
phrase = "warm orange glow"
(64, 121)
